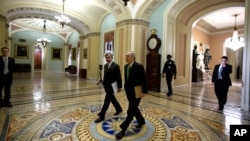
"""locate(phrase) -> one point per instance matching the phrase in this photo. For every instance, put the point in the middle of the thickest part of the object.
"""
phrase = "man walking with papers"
(135, 87)
(111, 80)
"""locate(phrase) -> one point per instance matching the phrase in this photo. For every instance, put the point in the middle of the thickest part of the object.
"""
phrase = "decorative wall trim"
(133, 22)
(90, 35)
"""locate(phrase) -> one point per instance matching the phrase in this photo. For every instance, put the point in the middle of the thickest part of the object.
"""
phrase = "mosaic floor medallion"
(73, 123)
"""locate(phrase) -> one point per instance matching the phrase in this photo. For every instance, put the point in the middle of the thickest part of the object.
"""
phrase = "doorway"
(37, 58)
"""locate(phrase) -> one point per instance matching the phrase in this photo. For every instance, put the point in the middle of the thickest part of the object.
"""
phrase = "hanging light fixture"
(44, 40)
(235, 42)
(125, 2)
(62, 19)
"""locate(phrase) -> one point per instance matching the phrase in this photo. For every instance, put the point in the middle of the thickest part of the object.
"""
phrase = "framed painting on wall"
(21, 51)
(109, 41)
(73, 54)
(56, 53)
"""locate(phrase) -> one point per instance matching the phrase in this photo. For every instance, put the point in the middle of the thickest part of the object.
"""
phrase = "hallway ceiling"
(215, 21)
(223, 19)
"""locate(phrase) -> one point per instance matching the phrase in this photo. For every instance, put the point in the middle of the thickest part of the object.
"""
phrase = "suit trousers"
(110, 97)
(169, 78)
(133, 111)
(5, 83)
(221, 91)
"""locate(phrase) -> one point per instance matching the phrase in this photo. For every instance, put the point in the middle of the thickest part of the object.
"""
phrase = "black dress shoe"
(139, 125)
(122, 126)
(120, 135)
(100, 119)
(169, 94)
(221, 108)
(117, 113)
(8, 105)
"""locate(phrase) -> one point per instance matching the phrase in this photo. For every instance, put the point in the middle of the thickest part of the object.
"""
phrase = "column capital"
(132, 22)
(90, 35)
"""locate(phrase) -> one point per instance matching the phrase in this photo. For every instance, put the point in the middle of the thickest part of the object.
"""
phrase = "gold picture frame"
(56, 53)
(73, 57)
(21, 51)
(85, 53)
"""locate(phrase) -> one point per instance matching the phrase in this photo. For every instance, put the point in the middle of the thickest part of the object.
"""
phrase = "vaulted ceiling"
(86, 15)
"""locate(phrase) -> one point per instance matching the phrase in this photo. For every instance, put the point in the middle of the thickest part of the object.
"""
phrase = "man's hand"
(142, 95)
(119, 89)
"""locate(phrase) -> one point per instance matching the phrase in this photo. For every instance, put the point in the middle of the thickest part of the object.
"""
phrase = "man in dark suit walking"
(112, 75)
(7, 65)
(170, 70)
(135, 75)
(222, 81)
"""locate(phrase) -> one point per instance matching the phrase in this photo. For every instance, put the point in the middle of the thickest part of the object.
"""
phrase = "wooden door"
(37, 58)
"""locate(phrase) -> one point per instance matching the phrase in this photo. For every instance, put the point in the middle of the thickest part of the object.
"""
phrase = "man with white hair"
(135, 77)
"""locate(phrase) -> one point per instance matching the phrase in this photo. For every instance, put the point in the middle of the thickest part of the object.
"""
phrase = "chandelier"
(44, 40)
(62, 19)
(235, 42)
(125, 2)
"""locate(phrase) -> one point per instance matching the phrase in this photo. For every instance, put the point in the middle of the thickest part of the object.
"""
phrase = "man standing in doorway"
(112, 75)
(222, 81)
(7, 65)
(170, 70)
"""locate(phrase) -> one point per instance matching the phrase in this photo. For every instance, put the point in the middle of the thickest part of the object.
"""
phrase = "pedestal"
(83, 73)
(197, 75)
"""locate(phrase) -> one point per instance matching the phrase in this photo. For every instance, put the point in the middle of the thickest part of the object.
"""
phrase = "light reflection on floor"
(44, 92)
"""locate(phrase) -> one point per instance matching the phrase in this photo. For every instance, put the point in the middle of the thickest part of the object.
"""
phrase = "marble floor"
(60, 107)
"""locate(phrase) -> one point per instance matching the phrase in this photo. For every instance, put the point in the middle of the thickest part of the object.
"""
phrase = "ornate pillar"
(90, 46)
(245, 98)
(67, 48)
(4, 32)
(132, 35)
(82, 57)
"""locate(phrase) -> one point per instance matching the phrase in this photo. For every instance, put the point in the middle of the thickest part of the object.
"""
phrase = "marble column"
(92, 41)
(4, 32)
(245, 97)
(131, 34)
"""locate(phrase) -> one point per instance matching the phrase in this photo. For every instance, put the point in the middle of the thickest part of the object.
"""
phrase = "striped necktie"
(6, 69)
(220, 71)
(128, 71)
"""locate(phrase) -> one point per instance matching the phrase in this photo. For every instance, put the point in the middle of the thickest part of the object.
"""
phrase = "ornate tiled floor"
(57, 106)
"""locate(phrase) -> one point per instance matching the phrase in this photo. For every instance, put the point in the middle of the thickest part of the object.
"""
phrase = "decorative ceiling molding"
(38, 13)
(3, 19)
(149, 9)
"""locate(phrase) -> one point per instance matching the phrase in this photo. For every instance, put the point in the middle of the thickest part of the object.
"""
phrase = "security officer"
(170, 70)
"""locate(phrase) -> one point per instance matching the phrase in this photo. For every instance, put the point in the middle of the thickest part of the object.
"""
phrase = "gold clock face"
(152, 43)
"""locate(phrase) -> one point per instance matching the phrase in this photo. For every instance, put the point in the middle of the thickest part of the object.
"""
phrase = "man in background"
(222, 81)
(7, 65)
(170, 70)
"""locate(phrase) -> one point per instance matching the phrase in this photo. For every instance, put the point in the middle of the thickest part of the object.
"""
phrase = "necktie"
(128, 71)
(6, 70)
(219, 73)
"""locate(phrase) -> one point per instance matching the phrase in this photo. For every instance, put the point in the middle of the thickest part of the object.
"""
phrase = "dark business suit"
(137, 77)
(221, 85)
(111, 74)
(6, 79)
(170, 70)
